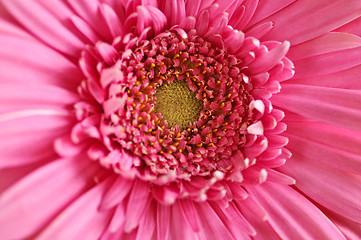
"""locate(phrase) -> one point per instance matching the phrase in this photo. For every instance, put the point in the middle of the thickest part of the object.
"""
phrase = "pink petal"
(332, 188)
(117, 219)
(323, 14)
(147, 224)
(48, 67)
(284, 204)
(348, 79)
(260, 30)
(266, 8)
(138, 201)
(234, 220)
(333, 156)
(268, 60)
(35, 199)
(89, 11)
(9, 176)
(175, 11)
(352, 27)
(258, 221)
(85, 29)
(202, 23)
(150, 17)
(81, 219)
(43, 24)
(330, 42)
(33, 134)
(250, 8)
(116, 193)
(107, 52)
(27, 96)
(113, 22)
(335, 137)
(350, 229)
(327, 63)
(180, 230)
(163, 221)
(336, 106)
(212, 226)
(192, 7)
(189, 213)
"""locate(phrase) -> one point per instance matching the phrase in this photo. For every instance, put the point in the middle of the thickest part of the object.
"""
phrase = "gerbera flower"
(180, 119)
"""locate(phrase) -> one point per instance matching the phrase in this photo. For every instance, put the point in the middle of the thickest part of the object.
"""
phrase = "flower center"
(177, 104)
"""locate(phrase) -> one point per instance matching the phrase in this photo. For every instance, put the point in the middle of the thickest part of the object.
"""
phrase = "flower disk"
(133, 110)
(180, 106)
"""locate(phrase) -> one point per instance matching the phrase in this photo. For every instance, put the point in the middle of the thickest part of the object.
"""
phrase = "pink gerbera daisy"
(180, 119)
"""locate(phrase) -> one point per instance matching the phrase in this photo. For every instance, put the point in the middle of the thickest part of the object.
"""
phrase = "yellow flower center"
(178, 104)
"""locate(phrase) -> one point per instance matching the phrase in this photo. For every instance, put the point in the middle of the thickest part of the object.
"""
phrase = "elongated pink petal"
(324, 104)
(258, 220)
(347, 79)
(85, 29)
(332, 188)
(182, 229)
(250, 8)
(327, 63)
(192, 7)
(284, 204)
(45, 26)
(48, 67)
(89, 11)
(37, 134)
(340, 138)
(330, 42)
(147, 224)
(350, 229)
(269, 60)
(212, 226)
(352, 27)
(113, 22)
(116, 193)
(81, 219)
(175, 11)
(138, 200)
(329, 156)
(27, 204)
(324, 15)
(163, 221)
(34, 96)
(189, 213)
(266, 8)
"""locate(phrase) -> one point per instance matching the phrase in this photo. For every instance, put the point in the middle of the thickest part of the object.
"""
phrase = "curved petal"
(266, 8)
(347, 79)
(330, 156)
(81, 219)
(89, 11)
(212, 226)
(35, 199)
(327, 63)
(38, 63)
(352, 27)
(174, 10)
(336, 106)
(291, 22)
(332, 188)
(284, 204)
(33, 134)
(330, 42)
(46, 25)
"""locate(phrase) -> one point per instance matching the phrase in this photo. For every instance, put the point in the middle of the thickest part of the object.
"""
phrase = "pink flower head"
(180, 119)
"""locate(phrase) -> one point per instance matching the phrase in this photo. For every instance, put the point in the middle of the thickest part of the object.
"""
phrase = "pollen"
(178, 104)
